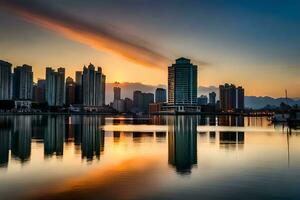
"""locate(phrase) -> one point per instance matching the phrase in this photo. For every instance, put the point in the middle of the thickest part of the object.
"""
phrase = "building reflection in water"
(92, 138)
(54, 136)
(231, 140)
(5, 134)
(21, 138)
(227, 120)
(182, 143)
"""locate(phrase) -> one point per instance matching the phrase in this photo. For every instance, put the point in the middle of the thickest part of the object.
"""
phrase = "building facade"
(212, 98)
(93, 87)
(182, 83)
(55, 87)
(23, 82)
(160, 95)
(5, 80)
(231, 97)
(117, 93)
(78, 87)
(142, 100)
(70, 91)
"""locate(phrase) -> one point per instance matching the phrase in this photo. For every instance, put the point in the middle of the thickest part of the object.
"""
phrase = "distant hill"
(250, 101)
(260, 102)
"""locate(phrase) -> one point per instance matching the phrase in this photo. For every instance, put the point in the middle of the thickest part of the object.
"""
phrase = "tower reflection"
(5, 133)
(21, 138)
(54, 136)
(182, 143)
(92, 143)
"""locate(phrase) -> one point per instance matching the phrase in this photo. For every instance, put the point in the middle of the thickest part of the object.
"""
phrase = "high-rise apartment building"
(212, 98)
(39, 91)
(182, 83)
(55, 87)
(117, 93)
(93, 86)
(240, 93)
(23, 82)
(70, 91)
(231, 98)
(160, 95)
(142, 100)
(5, 80)
(78, 87)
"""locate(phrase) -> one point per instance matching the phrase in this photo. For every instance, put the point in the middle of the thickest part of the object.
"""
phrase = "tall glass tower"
(182, 83)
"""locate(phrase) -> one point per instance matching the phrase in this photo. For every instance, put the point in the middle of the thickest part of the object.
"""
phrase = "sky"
(254, 43)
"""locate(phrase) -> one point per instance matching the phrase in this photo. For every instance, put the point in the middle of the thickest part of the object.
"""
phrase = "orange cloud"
(99, 37)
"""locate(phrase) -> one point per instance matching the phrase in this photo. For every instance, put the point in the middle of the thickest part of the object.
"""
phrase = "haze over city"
(255, 44)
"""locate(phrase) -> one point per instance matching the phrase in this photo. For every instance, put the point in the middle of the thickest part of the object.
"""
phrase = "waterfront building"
(55, 87)
(160, 95)
(240, 98)
(78, 87)
(117, 93)
(93, 86)
(22, 82)
(70, 91)
(119, 105)
(202, 100)
(142, 100)
(212, 98)
(38, 91)
(5, 80)
(182, 83)
(128, 104)
(231, 97)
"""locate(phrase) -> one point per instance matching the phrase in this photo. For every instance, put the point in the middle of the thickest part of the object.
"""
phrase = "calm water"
(184, 157)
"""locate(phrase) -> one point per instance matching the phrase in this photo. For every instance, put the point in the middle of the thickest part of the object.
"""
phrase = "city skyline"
(249, 51)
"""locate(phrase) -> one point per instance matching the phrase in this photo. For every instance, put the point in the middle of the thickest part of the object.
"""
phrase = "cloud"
(102, 37)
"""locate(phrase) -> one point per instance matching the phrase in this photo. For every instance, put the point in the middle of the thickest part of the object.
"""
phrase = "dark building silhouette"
(182, 83)
(231, 98)
(117, 93)
(55, 87)
(70, 91)
(23, 82)
(5, 80)
(212, 98)
(182, 143)
(54, 136)
(78, 87)
(21, 138)
(141, 101)
(39, 91)
(160, 95)
(240, 98)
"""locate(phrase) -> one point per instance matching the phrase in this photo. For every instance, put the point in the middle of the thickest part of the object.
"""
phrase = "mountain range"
(254, 102)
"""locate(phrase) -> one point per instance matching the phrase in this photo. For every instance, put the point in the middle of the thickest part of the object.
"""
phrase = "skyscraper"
(160, 95)
(55, 87)
(240, 98)
(117, 93)
(142, 100)
(5, 80)
(231, 98)
(212, 98)
(182, 83)
(78, 87)
(39, 91)
(70, 91)
(22, 82)
(93, 85)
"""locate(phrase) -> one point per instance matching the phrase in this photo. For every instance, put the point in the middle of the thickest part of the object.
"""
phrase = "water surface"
(167, 157)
